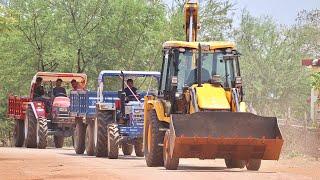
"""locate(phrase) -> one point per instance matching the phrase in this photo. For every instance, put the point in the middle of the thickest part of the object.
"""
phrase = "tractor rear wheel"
(113, 141)
(90, 138)
(79, 137)
(18, 133)
(170, 163)
(101, 137)
(233, 163)
(138, 149)
(42, 133)
(253, 164)
(127, 149)
(30, 129)
(58, 141)
(153, 137)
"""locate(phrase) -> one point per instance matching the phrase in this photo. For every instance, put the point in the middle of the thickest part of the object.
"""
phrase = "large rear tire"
(138, 149)
(90, 138)
(42, 133)
(253, 164)
(170, 163)
(113, 141)
(30, 129)
(153, 137)
(79, 137)
(127, 149)
(233, 163)
(101, 137)
(58, 141)
(18, 133)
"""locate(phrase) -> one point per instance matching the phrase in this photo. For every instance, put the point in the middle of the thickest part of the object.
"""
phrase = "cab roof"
(194, 45)
(112, 73)
(66, 77)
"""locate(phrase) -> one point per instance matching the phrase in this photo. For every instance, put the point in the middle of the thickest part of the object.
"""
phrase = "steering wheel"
(132, 98)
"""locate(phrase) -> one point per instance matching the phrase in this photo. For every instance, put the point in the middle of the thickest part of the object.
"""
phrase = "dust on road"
(22, 163)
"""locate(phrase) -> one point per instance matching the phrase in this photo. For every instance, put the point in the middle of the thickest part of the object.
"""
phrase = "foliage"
(271, 66)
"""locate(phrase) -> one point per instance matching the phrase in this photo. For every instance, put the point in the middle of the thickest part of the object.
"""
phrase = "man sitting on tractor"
(130, 90)
(38, 91)
(58, 90)
(75, 85)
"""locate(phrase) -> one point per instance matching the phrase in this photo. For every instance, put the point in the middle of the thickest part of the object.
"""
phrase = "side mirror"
(174, 81)
(228, 57)
(238, 82)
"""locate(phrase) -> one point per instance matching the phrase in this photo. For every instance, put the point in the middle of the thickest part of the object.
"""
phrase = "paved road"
(22, 163)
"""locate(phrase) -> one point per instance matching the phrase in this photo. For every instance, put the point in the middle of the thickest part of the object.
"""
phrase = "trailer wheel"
(90, 138)
(127, 149)
(42, 133)
(152, 138)
(138, 149)
(232, 163)
(113, 141)
(58, 141)
(100, 130)
(79, 137)
(18, 133)
(253, 164)
(170, 163)
(30, 129)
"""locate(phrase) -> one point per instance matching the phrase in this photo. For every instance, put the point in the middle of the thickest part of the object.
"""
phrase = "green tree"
(271, 66)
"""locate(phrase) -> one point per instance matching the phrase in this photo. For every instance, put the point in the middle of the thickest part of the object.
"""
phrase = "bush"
(6, 130)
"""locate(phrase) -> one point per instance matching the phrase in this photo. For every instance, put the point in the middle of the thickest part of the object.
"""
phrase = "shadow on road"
(121, 157)
(186, 168)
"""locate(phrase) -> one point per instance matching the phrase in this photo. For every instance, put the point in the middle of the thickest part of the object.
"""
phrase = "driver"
(58, 90)
(133, 89)
(38, 91)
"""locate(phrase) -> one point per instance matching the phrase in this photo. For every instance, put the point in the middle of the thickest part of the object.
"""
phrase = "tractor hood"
(61, 102)
(212, 97)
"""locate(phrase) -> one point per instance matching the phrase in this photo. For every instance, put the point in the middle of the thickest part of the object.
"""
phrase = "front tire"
(253, 164)
(58, 141)
(101, 139)
(42, 133)
(30, 129)
(170, 163)
(113, 141)
(138, 149)
(90, 138)
(18, 133)
(233, 163)
(127, 149)
(79, 137)
(153, 137)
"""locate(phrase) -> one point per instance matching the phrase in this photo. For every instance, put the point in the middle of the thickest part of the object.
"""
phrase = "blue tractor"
(109, 118)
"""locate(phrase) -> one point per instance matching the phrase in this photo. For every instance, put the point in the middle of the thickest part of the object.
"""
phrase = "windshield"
(212, 64)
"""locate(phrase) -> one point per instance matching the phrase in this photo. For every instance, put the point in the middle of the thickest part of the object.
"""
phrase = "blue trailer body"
(84, 104)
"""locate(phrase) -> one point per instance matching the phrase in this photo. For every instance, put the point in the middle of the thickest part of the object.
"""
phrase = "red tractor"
(46, 111)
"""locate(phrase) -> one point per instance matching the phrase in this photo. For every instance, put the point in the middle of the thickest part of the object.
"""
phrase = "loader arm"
(191, 20)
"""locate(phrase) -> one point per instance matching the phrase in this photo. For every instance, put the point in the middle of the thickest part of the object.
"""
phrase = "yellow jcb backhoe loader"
(199, 111)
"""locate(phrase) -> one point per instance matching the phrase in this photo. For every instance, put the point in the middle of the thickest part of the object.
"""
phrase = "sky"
(282, 11)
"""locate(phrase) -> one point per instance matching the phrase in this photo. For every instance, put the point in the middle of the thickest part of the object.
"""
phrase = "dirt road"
(22, 163)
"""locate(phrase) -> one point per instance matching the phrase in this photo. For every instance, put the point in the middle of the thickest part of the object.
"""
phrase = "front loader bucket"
(236, 135)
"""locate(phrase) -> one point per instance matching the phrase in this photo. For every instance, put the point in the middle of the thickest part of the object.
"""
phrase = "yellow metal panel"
(211, 97)
(243, 107)
(152, 103)
(194, 45)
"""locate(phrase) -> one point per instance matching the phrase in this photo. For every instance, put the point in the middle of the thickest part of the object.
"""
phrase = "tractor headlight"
(63, 109)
